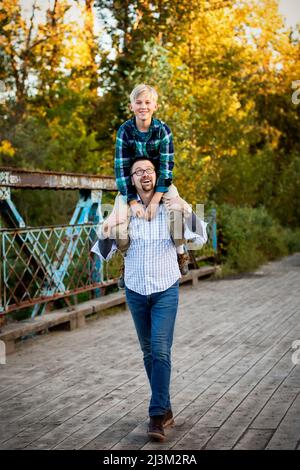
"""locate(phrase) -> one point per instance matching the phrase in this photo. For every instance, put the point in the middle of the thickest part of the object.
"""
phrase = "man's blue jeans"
(154, 318)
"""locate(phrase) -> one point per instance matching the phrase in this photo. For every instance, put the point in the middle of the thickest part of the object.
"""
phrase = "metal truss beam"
(17, 178)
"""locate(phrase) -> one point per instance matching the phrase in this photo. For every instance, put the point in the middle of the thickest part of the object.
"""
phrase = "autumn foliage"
(224, 71)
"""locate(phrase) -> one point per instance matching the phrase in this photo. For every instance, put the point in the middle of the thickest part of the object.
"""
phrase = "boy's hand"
(137, 209)
(151, 210)
(153, 206)
(112, 221)
(178, 204)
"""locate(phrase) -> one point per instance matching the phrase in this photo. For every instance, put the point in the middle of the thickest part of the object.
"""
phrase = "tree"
(52, 74)
(223, 71)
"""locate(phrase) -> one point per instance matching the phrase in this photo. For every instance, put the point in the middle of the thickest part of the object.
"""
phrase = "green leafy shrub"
(248, 237)
(292, 239)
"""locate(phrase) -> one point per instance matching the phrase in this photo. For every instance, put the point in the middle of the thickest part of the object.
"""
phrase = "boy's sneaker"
(121, 282)
(183, 261)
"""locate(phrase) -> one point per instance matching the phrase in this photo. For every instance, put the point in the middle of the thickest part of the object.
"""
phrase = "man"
(152, 287)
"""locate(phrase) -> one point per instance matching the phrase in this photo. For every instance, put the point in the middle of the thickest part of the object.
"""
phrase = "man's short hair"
(139, 89)
(141, 159)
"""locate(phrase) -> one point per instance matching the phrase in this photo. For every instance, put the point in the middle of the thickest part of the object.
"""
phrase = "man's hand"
(137, 209)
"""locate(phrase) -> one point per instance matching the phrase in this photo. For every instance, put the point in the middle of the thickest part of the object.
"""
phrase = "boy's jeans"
(154, 318)
(121, 209)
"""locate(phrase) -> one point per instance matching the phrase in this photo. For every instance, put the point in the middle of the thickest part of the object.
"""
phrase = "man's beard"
(147, 187)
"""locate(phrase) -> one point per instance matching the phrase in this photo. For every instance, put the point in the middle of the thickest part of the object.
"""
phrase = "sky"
(289, 8)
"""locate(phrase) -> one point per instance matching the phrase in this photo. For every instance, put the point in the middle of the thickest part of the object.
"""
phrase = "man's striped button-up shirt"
(151, 260)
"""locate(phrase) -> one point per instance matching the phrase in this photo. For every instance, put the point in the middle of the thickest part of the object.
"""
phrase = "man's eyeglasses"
(140, 172)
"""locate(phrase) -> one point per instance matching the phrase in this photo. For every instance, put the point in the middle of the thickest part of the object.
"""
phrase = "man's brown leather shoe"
(155, 428)
(183, 261)
(168, 419)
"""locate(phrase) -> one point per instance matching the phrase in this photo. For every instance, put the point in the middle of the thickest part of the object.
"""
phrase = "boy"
(142, 137)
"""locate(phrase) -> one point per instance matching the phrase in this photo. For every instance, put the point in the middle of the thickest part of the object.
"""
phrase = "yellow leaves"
(6, 148)
(76, 53)
(272, 134)
(234, 105)
(232, 152)
(55, 128)
(9, 7)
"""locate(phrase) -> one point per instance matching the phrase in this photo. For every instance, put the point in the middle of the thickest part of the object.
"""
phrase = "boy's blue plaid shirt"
(155, 145)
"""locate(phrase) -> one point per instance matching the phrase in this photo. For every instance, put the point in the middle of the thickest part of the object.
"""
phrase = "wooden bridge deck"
(234, 383)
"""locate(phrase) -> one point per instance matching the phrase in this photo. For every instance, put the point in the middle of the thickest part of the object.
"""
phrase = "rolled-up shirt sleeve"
(104, 248)
(195, 230)
(166, 160)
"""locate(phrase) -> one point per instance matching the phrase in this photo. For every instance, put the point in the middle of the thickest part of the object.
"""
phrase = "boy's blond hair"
(139, 89)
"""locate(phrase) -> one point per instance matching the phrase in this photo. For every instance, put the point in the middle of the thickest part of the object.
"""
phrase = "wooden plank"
(207, 402)
(242, 416)
(287, 435)
(195, 274)
(209, 396)
(232, 372)
(75, 316)
(276, 408)
(10, 392)
(254, 439)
